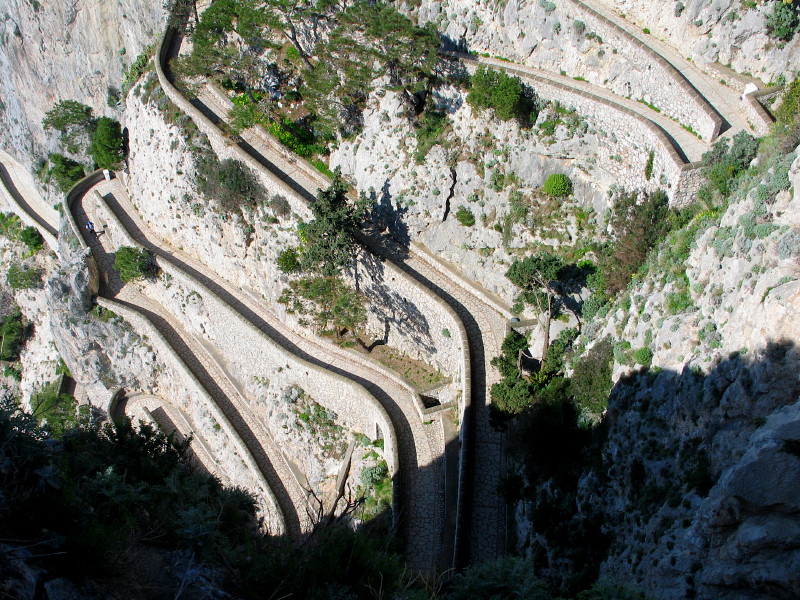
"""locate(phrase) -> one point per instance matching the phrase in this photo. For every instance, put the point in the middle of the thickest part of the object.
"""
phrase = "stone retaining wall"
(239, 464)
(223, 147)
(664, 86)
(759, 117)
(248, 351)
(634, 136)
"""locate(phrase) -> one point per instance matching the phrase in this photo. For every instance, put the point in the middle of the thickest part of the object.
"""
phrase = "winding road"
(449, 511)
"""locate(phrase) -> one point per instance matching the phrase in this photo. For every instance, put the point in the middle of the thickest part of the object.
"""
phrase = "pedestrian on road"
(90, 228)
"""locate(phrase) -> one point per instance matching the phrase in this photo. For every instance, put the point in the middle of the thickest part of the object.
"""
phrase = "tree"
(331, 301)
(537, 275)
(65, 171)
(638, 223)
(498, 91)
(68, 114)
(330, 238)
(106, 146)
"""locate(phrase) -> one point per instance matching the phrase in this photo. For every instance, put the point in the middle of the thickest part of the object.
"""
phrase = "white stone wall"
(526, 33)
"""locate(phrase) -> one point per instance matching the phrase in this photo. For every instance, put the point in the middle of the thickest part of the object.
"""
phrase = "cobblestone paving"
(420, 445)
(724, 99)
(276, 473)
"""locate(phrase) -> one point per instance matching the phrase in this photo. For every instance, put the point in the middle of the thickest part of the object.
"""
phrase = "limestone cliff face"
(727, 32)
(697, 483)
(77, 49)
(563, 36)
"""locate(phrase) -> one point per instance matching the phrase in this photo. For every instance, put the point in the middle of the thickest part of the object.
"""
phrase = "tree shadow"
(388, 217)
(396, 312)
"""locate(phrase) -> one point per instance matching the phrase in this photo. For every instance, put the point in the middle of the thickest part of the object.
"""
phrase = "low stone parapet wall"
(664, 85)
(197, 399)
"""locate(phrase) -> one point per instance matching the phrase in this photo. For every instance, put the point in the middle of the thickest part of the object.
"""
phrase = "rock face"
(75, 50)
(102, 351)
(727, 32)
(697, 491)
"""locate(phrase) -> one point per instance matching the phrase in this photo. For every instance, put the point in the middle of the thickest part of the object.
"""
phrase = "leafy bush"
(106, 146)
(229, 183)
(722, 165)
(298, 137)
(557, 185)
(31, 237)
(280, 206)
(511, 395)
(783, 22)
(65, 171)
(638, 224)
(431, 126)
(500, 92)
(465, 216)
(508, 577)
(133, 263)
(58, 411)
(288, 262)
(67, 114)
(648, 168)
(372, 475)
(591, 380)
(13, 331)
(643, 356)
(20, 278)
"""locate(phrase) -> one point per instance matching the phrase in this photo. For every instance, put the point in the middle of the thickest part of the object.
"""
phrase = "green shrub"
(298, 137)
(229, 183)
(20, 278)
(722, 165)
(372, 475)
(500, 92)
(507, 577)
(31, 237)
(557, 185)
(106, 146)
(511, 395)
(65, 171)
(288, 262)
(67, 114)
(465, 216)
(638, 225)
(13, 334)
(431, 126)
(133, 263)
(783, 22)
(678, 302)
(280, 206)
(648, 168)
(643, 356)
(591, 380)
(59, 411)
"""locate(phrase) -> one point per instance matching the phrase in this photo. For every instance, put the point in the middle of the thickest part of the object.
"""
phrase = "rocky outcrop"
(102, 351)
(697, 488)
